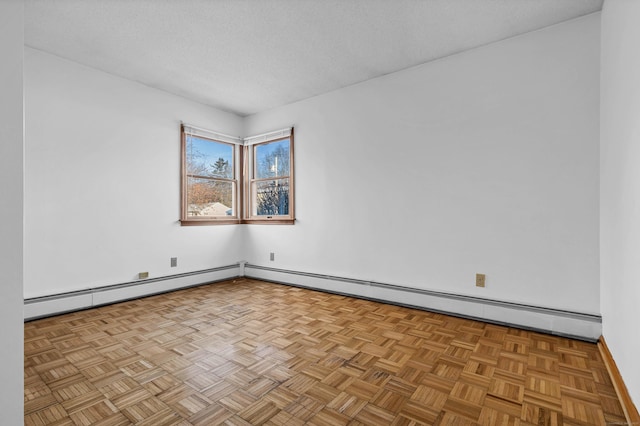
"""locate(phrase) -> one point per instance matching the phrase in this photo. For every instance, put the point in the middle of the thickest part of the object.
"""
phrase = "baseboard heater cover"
(45, 306)
(559, 322)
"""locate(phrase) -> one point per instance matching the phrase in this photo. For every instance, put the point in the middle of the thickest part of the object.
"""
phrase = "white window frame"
(236, 182)
(251, 180)
(244, 169)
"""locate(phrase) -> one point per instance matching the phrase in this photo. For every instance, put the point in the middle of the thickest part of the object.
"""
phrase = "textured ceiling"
(248, 56)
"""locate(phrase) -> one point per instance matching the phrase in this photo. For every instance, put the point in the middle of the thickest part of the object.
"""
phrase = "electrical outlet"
(142, 275)
(480, 280)
(272, 256)
(174, 262)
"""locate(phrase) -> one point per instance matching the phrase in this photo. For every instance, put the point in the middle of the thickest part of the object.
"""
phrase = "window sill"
(269, 221)
(207, 222)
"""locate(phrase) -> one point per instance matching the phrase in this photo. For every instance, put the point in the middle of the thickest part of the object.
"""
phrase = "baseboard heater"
(40, 307)
(559, 322)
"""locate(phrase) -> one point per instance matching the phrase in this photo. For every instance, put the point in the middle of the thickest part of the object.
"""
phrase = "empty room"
(320, 212)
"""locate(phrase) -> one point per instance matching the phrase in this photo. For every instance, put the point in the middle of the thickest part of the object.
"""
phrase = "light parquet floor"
(246, 352)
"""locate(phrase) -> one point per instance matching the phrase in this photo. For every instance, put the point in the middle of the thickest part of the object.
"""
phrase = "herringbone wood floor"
(249, 352)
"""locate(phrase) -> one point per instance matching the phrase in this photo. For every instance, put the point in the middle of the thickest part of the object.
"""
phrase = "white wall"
(620, 187)
(485, 161)
(11, 211)
(102, 180)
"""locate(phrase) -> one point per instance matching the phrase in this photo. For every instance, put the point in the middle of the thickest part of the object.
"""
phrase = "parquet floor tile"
(246, 352)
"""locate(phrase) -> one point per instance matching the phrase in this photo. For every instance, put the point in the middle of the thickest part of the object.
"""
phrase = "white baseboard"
(40, 307)
(553, 321)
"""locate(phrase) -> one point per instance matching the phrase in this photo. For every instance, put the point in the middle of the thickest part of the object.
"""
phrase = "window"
(227, 180)
(209, 180)
(270, 180)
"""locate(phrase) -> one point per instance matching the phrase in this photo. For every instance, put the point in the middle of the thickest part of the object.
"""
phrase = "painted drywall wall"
(485, 161)
(102, 180)
(11, 211)
(620, 187)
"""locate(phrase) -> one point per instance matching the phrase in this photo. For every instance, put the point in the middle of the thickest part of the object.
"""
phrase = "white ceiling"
(247, 56)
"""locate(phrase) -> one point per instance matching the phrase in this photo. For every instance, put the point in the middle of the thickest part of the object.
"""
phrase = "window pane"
(272, 159)
(272, 197)
(209, 158)
(206, 197)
